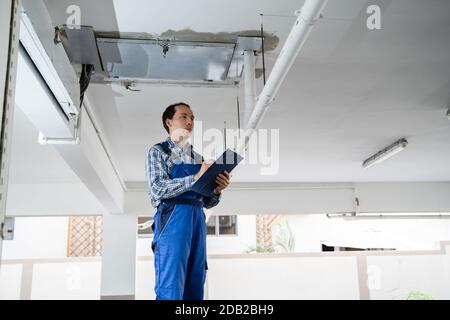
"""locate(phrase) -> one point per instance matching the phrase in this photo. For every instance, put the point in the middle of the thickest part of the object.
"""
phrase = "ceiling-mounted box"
(157, 61)
(146, 60)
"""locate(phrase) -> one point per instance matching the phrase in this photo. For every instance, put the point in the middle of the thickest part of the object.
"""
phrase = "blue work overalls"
(179, 243)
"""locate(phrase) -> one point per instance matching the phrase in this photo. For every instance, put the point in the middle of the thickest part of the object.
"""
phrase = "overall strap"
(164, 147)
(193, 154)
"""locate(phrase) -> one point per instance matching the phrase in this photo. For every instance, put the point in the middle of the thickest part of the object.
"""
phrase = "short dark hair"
(170, 111)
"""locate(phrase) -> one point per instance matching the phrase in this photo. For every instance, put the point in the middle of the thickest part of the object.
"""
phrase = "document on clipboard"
(207, 182)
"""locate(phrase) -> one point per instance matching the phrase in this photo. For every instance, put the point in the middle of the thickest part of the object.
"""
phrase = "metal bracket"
(7, 229)
(243, 43)
(130, 86)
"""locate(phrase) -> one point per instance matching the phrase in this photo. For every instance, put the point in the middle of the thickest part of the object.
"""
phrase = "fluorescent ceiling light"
(33, 46)
(36, 101)
(386, 153)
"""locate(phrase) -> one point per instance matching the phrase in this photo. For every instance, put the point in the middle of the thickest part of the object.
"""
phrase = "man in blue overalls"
(179, 228)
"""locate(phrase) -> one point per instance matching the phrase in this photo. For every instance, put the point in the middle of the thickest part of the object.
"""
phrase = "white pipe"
(75, 140)
(249, 84)
(44, 140)
(354, 216)
(308, 15)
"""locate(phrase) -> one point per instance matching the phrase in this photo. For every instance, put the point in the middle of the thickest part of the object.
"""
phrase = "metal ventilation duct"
(163, 61)
(183, 61)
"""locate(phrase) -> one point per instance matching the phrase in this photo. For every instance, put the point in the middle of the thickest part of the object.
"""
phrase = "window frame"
(217, 226)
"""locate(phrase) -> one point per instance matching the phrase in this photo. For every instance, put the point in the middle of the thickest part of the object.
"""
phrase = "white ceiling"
(350, 92)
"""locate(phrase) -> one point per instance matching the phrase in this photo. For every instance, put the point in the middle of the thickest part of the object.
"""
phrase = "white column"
(9, 44)
(119, 256)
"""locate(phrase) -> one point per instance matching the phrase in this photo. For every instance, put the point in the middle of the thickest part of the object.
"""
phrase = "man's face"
(182, 122)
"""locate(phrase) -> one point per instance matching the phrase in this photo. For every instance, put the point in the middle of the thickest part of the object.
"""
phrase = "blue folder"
(207, 182)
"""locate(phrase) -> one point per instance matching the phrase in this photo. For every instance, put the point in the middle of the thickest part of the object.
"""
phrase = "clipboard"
(207, 182)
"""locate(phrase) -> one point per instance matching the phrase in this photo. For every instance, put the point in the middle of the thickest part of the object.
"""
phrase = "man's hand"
(223, 181)
(205, 165)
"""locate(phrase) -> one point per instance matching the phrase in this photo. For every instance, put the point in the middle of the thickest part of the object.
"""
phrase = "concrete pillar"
(119, 256)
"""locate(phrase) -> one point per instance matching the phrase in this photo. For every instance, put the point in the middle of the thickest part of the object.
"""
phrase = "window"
(145, 227)
(222, 225)
(85, 236)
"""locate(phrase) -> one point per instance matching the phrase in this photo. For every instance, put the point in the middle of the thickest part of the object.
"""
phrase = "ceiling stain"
(270, 40)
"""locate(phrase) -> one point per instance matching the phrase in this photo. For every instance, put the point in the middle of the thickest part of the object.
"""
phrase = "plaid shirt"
(158, 167)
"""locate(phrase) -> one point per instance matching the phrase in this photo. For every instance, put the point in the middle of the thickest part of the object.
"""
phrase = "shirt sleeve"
(213, 201)
(160, 184)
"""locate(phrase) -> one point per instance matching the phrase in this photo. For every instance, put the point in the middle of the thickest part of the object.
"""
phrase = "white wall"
(10, 280)
(46, 238)
(57, 199)
(118, 254)
(330, 275)
(145, 280)
(245, 238)
(37, 237)
(68, 281)
(309, 230)
(394, 277)
(402, 234)
(52, 280)
(283, 278)
(144, 247)
(271, 278)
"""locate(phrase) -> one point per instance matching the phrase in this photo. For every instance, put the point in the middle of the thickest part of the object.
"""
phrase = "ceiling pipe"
(76, 140)
(354, 216)
(307, 16)
(249, 84)
(45, 140)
